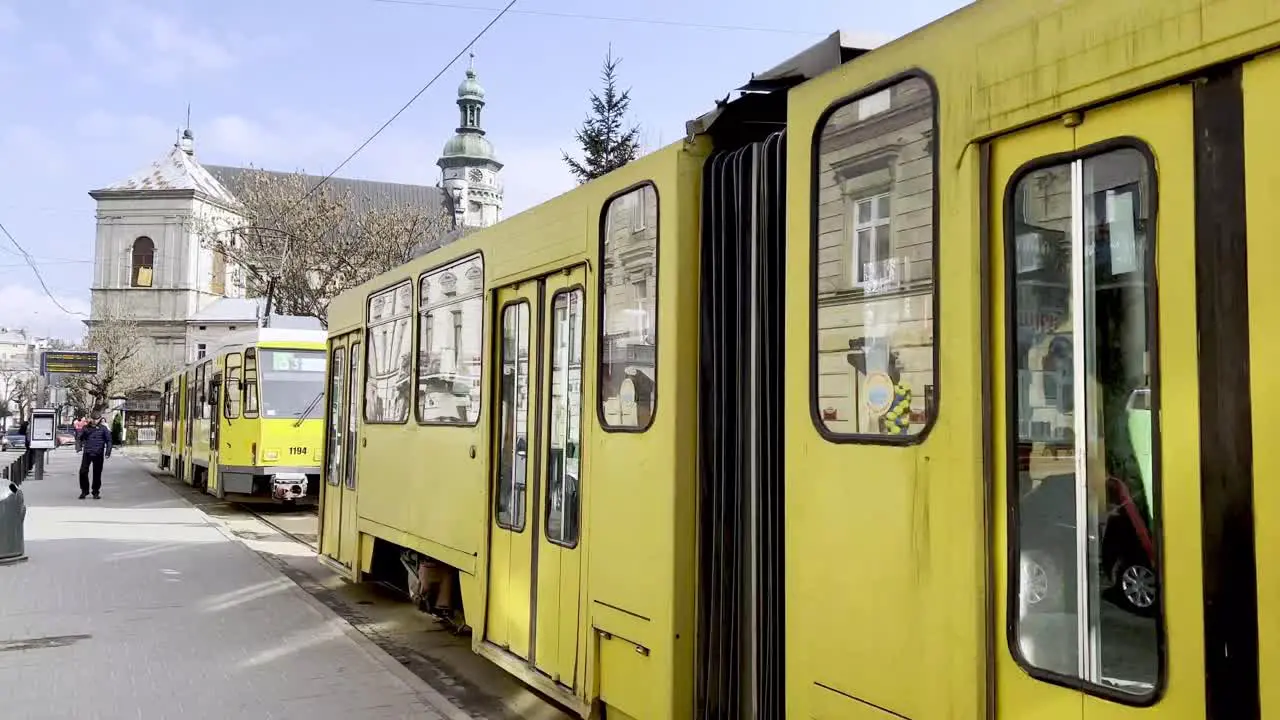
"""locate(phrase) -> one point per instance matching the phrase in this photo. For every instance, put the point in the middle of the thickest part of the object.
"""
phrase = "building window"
(200, 351)
(1082, 399)
(628, 377)
(449, 361)
(389, 355)
(871, 237)
(874, 245)
(144, 256)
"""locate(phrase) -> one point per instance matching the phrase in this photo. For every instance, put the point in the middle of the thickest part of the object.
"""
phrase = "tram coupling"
(288, 486)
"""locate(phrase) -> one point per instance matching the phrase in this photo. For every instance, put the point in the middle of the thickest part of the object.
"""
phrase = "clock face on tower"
(476, 175)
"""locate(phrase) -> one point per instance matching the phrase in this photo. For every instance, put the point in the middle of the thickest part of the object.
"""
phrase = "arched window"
(144, 256)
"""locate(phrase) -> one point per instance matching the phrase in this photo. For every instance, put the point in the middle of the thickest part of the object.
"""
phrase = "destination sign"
(69, 362)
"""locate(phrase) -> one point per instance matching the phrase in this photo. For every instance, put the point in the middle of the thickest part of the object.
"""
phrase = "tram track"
(298, 524)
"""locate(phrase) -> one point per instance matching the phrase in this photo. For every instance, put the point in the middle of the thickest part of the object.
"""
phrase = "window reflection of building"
(875, 263)
(450, 342)
(628, 379)
(514, 418)
(566, 417)
(389, 356)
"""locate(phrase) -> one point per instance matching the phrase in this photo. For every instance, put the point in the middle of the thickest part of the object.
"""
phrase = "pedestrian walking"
(95, 446)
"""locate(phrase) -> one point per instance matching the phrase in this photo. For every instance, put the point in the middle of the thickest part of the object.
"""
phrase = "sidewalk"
(135, 606)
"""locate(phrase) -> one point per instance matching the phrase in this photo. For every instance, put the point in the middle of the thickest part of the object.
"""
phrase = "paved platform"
(136, 606)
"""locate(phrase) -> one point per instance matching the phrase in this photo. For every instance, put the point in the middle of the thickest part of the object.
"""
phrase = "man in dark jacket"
(95, 444)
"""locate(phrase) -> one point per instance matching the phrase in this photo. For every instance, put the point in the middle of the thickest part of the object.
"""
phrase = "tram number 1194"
(296, 450)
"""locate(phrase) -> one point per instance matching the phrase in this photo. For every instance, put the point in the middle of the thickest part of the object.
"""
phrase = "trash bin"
(13, 517)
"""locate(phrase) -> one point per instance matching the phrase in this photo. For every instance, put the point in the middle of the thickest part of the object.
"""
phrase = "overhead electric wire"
(606, 18)
(27, 256)
(400, 112)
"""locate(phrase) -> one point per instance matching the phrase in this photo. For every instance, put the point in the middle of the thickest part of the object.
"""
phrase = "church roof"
(365, 194)
(175, 171)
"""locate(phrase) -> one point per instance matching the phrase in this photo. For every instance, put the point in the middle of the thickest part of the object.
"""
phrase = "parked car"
(65, 436)
(13, 440)
(1047, 541)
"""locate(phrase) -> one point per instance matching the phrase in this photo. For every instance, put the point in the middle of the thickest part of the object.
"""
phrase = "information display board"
(41, 429)
(69, 362)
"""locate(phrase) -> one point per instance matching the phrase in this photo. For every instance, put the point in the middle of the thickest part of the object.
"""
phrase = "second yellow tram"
(245, 421)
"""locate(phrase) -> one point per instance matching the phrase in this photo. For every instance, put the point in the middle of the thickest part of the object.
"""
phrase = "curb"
(427, 694)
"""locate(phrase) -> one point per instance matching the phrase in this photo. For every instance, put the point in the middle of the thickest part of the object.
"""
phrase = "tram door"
(338, 533)
(536, 562)
(216, 418)
(1097, 551)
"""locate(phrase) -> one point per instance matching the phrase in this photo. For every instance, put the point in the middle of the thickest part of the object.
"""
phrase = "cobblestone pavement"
(135, 606)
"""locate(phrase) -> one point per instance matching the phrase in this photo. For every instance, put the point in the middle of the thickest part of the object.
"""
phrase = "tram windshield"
(292, 383)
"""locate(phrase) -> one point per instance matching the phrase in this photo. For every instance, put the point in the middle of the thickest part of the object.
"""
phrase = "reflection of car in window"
(447, 397)
(1047, 543)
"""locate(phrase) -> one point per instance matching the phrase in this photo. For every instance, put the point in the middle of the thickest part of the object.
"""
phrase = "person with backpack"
(95, 446)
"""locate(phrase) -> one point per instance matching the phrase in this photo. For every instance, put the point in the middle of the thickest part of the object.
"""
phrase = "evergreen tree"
(607, 144)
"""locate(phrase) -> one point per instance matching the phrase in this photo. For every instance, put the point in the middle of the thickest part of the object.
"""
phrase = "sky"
(92, 91)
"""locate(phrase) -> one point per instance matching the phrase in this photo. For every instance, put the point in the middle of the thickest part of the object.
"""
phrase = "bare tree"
(128, 361)
(301, 248)
(18, 389)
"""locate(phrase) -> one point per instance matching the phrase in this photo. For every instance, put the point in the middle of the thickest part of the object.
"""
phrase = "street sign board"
(70, 362)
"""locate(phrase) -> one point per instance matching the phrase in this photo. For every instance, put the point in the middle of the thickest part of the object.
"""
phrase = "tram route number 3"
(297, 450)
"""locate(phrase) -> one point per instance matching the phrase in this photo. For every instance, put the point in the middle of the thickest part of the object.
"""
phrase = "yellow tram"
(245, 422)
(927, 382)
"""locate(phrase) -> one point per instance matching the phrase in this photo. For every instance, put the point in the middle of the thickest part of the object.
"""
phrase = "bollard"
(13, 517)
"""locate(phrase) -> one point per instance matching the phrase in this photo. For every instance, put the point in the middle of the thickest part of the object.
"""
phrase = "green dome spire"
(469, 146)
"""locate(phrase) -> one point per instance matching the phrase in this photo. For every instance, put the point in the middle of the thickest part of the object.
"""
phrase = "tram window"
(1086, 578)
(353, 418)
(629, 310)
(333, 451)
(565, 431)
(202, 381)
(389, 355)
(874, 356)
(513, 428)
(450, 343)
(250, 383)
(232, 393)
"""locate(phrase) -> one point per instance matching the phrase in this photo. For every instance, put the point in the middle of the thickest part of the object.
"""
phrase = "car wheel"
(1136, 587)
(1042, 583)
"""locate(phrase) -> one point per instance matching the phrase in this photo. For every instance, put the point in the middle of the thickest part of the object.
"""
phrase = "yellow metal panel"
(1019, 694)
(331, 488)
(876, 535)
(1262, 173)
(627, 673)
(508, 613)
(558, 607)
(1163, 120)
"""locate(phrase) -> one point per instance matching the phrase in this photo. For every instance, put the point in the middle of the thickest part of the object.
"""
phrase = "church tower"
(149, 261)
(469, 166)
